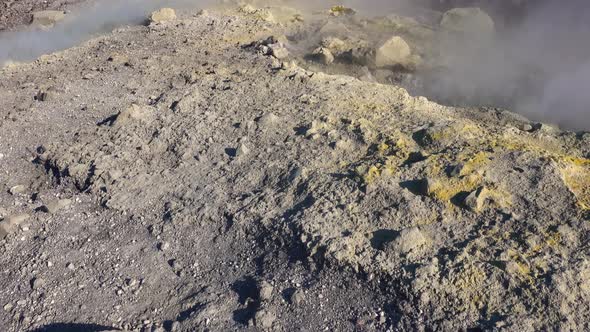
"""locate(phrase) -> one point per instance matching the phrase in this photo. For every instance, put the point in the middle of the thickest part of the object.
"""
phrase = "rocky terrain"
(256, 167)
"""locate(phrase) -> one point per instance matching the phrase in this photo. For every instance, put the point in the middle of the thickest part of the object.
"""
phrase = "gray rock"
(37, 283)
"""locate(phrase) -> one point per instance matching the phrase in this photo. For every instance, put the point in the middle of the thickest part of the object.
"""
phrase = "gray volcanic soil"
(176, 177)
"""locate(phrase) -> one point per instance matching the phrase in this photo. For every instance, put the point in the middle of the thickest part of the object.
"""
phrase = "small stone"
(37, 283)
(163, 15)
(70, 266)
(44, 95)
(475, 201)
(395, 51)
(8, 307)
(56, 205)
(118, 59)
(242, 150)
(164, 246)
(264, 318)
(298, 297)
(18, 189)
(47, 17)
(409, 240)
(266, 290)
(11, 224)
(135, 113)
(279, 51)
(526, 127)
(268, 119)
(323, 55)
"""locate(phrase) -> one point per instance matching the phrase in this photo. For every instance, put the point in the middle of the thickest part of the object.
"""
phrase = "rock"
(45, 95)
(56, 205)
(323, 55)
(342, 11)
(163, 15)
(70, 266)
(468, 21)
(164, 246)
(18, 189)
(264, 318)
(394, 52)
(526, 127)
(279, 51)
(334, 45)
(242, 150)
(135, 113)
(408, 240)
(118, 59)
(47, 17)
(37, 283)
(268, 120)
(266, 290)
(11, 224)
(475, 200)
(298, 297)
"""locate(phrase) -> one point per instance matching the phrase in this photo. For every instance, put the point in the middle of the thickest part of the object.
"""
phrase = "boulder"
(163, 15)
(468, 21)
(393, 52)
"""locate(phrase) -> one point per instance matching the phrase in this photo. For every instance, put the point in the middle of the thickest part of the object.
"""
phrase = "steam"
(98, 17)
(538, 66)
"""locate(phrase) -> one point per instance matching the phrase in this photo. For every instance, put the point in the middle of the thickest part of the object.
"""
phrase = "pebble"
(266, 290)
(54, 206)
(298, 297)
(164, 246)
(70, 266)
(37, 283)
(18, 189)
(264, 318)
(8, 307)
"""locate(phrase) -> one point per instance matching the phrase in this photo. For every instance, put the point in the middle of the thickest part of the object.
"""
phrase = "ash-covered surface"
(189, 175)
